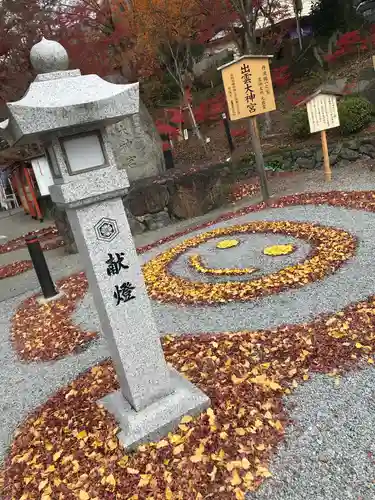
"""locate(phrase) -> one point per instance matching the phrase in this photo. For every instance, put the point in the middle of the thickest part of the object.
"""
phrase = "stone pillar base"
(159, 418)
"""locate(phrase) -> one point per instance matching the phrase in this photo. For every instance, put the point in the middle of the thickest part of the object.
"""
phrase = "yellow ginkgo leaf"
(245, 463)
(42, 484)
(263, 472)
(178, 449)
(186, 419)
(162, 444)
(56, 455)
(212, 474)
(83, 495)
(168, 493)
(112, 444)
(198, 455)
(227, 244)
(111, 480)
(145, 480)
(82, 435)
(236, 480)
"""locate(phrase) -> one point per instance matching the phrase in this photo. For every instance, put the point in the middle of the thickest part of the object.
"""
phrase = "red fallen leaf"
(15, 268)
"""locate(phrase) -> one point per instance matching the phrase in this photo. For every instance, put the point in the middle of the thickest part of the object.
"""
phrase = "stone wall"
(155, 203)
(340, 154)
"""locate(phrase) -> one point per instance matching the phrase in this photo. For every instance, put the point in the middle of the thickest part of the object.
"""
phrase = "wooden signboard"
(249, 92)
(323, 113)
(248, 87)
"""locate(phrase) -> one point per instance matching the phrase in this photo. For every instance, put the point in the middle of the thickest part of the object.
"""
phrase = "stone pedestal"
(152, 398)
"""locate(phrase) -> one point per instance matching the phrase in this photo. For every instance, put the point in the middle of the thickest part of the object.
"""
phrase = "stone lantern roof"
(59, 99)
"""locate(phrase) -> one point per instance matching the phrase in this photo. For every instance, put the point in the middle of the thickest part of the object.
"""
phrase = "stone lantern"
(69, 113)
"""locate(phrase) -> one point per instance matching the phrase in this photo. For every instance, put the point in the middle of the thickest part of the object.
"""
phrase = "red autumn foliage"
(281, 76)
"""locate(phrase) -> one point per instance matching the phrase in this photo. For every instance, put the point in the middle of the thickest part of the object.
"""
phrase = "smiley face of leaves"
(331, 247)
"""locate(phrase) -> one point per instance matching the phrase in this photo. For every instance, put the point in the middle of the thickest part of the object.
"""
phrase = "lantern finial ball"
(48, 56)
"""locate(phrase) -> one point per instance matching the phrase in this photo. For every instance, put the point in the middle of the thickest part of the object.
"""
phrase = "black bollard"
(228, 134)
(40, 266)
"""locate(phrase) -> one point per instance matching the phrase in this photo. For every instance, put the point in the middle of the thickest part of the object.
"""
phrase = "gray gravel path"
(27, 282)
(325, 455)
(294, 306)
(26, 385)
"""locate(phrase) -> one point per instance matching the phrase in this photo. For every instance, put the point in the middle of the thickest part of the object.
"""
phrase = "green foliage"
(274, 165)
(299, 123)
(355, 113)
(329, 16)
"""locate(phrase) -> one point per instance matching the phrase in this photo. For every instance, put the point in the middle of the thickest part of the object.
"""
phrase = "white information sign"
(42, 174)
(323, 113)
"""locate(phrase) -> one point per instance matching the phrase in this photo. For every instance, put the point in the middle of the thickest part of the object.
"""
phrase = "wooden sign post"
(323, 114)
(249, 92)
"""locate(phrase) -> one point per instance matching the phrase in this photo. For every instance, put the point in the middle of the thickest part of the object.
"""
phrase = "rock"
(368, 140)
(365, 79)
(148, 198)
(304, 153)
(319, 155)
(333, 159)
(336, 86)
(369, 92)
(136, 226)
(157, 221)
(336, 149)
(342, 163)
(306, 163)
(367, 149)
(353, 144)
(197, 194)
(136, 144)
(349, 154)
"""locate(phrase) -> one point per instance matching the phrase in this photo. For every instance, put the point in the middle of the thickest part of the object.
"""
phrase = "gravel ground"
(27, 282)
(26, 385)
(327, 453)
(294, 306)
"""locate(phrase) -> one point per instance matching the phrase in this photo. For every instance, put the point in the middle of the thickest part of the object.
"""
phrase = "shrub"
(355, 113)
(299, 123)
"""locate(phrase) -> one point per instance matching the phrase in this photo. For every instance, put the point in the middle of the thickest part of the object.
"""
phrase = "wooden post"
(327, 167)
(257, 148)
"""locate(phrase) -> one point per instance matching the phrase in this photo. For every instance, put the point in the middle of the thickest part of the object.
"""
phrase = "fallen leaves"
(44, 332)
(18, 267)
(221, 453)
(196, 262)
(224, 451)
(278, 250)
(331, 248)
(44, 234)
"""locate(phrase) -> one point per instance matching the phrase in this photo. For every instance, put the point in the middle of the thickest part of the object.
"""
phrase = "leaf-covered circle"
(331, 247)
